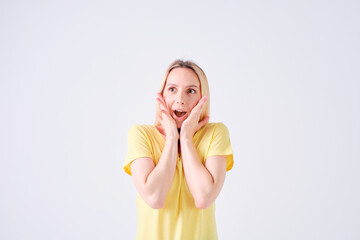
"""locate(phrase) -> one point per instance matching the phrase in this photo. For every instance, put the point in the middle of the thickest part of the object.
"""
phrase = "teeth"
(179, 113)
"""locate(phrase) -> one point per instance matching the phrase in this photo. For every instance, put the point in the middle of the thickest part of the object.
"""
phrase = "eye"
(191, 90)
(172, 89)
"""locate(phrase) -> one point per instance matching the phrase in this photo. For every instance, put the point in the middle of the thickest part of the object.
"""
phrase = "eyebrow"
(173, 84)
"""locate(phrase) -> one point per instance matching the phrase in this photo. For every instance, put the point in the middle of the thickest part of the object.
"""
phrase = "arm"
(205, 182)
(153, 182)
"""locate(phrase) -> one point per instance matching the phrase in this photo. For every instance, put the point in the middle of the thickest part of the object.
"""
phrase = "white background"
(284, 77)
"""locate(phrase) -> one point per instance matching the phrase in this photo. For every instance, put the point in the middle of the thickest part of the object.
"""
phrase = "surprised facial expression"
(181, 93)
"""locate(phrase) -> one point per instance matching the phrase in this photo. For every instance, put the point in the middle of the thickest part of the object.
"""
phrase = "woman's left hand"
(191, 124)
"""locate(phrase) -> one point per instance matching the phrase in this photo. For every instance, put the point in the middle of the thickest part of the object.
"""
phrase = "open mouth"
(179, 113)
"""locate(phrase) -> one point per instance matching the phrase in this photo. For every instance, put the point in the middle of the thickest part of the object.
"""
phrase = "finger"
(200, 104)
(159, 95)
(165, 114)
(162, 104)
(203, 100)
(196, 111)
(161, 98)
(203, 122)
(160, 119)
(167, 119)
(161, 101)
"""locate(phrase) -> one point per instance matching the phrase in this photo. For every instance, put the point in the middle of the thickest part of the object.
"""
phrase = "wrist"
(185, 133)
(186, 138)
(172, 138)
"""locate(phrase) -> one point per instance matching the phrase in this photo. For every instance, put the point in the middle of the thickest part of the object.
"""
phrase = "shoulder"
(215, 127)
(212, 131)
(219, 125)
(141, 130)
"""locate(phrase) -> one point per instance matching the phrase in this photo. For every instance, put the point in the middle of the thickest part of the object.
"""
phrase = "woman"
(179, 164)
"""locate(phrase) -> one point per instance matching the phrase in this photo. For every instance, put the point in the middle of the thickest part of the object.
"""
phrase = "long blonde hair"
(204, 86)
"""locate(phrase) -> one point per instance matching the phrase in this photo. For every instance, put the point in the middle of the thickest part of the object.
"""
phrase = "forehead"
(183, 76)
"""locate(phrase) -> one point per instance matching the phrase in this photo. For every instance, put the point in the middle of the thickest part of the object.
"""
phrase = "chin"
(178, 125)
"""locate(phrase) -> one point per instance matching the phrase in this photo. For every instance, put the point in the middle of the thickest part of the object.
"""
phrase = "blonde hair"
(204, 86)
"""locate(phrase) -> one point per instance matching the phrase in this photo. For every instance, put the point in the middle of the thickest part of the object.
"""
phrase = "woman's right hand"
(166, 120)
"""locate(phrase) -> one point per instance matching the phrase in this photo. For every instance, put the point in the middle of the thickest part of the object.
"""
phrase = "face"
(181, 93)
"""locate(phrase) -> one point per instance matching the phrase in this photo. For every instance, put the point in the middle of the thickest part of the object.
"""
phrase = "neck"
(179, 146)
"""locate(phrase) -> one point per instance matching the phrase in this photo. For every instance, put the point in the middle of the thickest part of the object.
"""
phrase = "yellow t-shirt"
(179, 219)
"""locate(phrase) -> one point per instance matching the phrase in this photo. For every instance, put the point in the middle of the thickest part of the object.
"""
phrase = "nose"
(180, 99)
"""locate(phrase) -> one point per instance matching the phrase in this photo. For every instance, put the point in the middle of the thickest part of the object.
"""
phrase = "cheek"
(167, 100)
(194, 102)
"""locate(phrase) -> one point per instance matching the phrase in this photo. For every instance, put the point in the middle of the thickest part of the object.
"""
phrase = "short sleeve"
(220, 144)
(138, 146)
